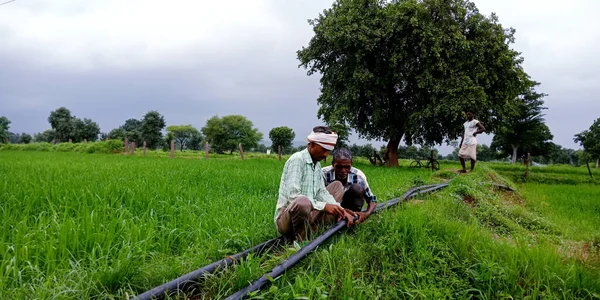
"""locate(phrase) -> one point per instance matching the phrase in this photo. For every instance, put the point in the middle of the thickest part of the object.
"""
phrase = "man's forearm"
(371, 207)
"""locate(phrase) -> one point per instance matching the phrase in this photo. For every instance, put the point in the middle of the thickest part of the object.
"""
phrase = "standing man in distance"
(303, 198)
(468, 143)
(356, 188)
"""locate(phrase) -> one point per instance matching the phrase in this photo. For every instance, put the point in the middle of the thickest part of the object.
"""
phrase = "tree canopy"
(343, 132)
(131, 129)
(62, 122)
(182, 133)
(224, 134)
(47, 136)
(524, 131)
(67, 126)
(152, 125)
(410, 68)
(281, 136)
(25, 138)
(590, 140)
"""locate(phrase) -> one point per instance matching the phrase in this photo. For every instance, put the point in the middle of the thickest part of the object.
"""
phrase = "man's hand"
(340, 213)
(349, 216)
(334, 209)
(362, 216)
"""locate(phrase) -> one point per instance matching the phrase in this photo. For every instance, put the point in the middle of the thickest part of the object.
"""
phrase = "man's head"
(342, 163)
(470, 114)
(320, 141)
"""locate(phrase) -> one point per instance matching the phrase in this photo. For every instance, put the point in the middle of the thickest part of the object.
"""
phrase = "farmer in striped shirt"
(356, 187)
(303, 199)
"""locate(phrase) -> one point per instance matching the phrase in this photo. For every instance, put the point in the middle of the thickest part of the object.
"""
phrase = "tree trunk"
(597, 162)
(392, 150)
(514, 156)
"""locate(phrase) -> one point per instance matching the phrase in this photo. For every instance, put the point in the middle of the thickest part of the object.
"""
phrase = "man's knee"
(354, 198)
(356, 190)
(336, 189)
(301, 206)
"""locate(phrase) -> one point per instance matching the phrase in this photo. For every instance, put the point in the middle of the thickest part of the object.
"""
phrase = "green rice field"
(111, 226)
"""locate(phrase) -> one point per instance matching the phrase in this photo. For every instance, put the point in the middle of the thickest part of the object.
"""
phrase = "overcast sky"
(111, 60)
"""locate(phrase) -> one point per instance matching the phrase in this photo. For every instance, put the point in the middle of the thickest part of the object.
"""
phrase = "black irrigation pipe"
(184, 282)
(304, 251)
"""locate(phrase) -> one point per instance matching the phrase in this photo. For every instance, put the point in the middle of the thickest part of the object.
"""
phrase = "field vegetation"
(102, 226)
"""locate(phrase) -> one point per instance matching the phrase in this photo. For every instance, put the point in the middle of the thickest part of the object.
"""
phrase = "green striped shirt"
(301, 177)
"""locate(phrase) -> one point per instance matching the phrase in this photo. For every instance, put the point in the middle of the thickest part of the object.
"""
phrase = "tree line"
(224, 134)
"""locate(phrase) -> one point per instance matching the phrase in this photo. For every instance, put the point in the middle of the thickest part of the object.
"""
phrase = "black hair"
(322, 129)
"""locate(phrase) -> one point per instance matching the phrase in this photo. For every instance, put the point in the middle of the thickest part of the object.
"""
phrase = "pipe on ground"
(184, 282)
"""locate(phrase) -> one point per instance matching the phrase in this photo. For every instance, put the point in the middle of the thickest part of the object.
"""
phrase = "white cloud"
(134, 33)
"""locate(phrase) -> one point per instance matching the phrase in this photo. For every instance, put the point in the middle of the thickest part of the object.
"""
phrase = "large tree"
(13, 138)
(84, 129)
(152, 125)
(4, 126)
(47, 136)
(590, 140)
(224, 134)
(281, 136)
(132, 125)
(25, 138)
(61, 121)
(556, 154)
(117, 134)
(133, 130)
(182, 133)
(195, 141)
(409, 68)
(525, 130)
(67, 126)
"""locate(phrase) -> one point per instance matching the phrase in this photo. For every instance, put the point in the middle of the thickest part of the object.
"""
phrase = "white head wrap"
(325, 140)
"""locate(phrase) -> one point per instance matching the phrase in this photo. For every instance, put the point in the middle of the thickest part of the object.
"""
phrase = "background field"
(100, 226)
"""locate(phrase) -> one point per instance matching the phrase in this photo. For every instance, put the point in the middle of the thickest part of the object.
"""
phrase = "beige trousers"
(295, 219)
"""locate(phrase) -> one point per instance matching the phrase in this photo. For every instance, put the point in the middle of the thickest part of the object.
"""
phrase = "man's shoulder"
(358, 172)
(297, 156)
(327, 169)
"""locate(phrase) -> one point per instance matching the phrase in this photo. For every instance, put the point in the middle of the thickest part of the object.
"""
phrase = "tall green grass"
(77, 225)
(111, 226)
(81, 226)
(491, 248)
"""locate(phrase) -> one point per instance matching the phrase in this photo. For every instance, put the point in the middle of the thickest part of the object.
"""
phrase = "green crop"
(78, 226)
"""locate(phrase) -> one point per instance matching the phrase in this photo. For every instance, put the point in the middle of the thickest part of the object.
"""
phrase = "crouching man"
(304, 201)
(356, 188)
